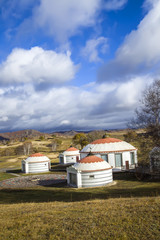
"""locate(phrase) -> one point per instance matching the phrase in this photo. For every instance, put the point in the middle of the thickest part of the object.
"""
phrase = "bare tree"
(27, 148)
(148, 113)
(55, 144)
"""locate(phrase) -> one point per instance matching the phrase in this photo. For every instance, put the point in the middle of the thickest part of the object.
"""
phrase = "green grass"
(129, 187)
(120, 219)
(128, 210)
(4, 176)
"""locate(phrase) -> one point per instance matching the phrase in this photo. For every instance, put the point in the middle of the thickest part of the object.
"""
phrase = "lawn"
(4, 176)
(130, 209)
(120, 219)
(126, 186)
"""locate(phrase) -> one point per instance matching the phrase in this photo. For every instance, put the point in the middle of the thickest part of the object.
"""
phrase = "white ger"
(36, 163)
(90, 171)
(119, 154)
(71, 155)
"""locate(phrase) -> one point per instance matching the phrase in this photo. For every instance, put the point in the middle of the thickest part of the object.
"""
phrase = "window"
(105, 157)
(132, 158)
(118, 159)
(91, 176)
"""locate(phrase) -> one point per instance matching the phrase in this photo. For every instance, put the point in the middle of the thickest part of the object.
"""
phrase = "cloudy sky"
(72, 64)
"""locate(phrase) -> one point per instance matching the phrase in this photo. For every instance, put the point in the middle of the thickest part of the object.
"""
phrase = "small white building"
(90, 171)
(71, 155)
(119, 154)
(155, 160)
(36, 163)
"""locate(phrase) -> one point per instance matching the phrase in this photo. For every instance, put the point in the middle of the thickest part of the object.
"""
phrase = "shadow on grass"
(56, 183)
(65, 194)
(14, 171)
(59, 167)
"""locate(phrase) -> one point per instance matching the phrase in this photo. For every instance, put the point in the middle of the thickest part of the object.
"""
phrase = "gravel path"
(34, 180)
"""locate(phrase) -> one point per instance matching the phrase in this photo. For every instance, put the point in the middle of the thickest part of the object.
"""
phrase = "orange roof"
(71, 149)
(91, 159)
(106, 140)
(37, 155)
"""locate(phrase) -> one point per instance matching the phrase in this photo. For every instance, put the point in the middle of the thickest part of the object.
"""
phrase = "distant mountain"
(70, 133)
(65, 133)
(20, 135)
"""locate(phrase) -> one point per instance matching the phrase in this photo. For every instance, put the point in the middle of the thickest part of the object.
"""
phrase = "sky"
(78, 65)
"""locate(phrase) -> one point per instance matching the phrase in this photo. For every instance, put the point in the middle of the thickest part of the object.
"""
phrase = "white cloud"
(140, 50)
(93, 47)
(63, 19)
(60, 19)
(69, 107)
(114, 4)
(128, 93)
(65, 122)
(38, 66)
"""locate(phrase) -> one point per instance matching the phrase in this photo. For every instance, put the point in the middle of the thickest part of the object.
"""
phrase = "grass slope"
(125, 219)
(126, 186)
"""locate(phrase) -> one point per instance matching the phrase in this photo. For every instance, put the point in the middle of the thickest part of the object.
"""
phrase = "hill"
(20, 135)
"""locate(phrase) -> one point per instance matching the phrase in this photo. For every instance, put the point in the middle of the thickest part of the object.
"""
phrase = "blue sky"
(72, 64)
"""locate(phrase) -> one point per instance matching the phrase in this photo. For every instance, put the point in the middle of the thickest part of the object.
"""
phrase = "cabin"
(36, 163)
(71, 155)
(119, 154)
(91, 171)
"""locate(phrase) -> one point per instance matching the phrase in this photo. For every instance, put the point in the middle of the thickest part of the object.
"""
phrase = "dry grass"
(4, 176)
(11, 161)
(123, 219)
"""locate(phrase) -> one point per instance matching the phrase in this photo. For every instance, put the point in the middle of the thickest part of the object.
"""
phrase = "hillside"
(19, 135)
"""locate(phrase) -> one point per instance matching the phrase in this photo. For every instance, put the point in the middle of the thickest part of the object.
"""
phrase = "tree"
(148, 114)
(42, 137)
(80, 139)
(27, 148)
(97, 134)
(130, 136)
(56, 143)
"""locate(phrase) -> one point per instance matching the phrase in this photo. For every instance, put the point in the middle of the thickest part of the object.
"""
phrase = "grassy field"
(120, 219)
(128, 210)
(126, 186)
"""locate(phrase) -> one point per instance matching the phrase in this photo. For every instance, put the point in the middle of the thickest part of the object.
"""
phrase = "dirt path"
(32, 181)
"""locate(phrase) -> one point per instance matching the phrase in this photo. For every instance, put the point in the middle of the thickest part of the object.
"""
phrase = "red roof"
(37, 155)
(106, 140)
(71, 149)
(91, 159)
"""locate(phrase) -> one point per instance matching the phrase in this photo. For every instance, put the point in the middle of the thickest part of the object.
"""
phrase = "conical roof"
(71, 151)
(91, 163)
(37, 157)
(106, 145)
